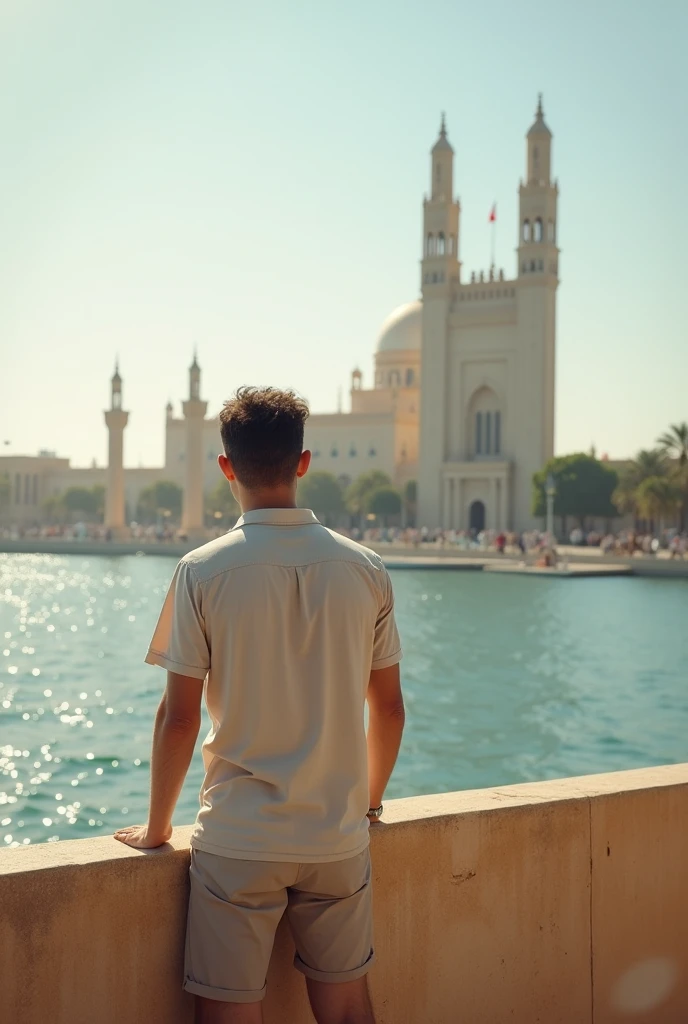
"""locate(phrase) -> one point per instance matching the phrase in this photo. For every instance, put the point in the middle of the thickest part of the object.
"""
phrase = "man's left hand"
(140, 837)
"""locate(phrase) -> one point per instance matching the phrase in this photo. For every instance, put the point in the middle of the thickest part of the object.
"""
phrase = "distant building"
(462, 397)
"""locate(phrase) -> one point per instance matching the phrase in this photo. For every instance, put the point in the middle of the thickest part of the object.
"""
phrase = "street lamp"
(551, 493)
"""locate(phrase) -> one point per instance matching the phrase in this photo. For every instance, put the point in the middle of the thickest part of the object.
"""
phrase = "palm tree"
(674, 443)
(648, 464)
(658, 498)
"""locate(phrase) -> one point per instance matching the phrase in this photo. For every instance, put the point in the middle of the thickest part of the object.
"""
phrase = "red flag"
(493, 213)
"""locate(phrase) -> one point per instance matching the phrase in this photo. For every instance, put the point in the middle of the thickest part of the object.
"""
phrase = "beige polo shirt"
(284, 620)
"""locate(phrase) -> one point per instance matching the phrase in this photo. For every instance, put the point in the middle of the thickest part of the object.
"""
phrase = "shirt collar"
(277, 517)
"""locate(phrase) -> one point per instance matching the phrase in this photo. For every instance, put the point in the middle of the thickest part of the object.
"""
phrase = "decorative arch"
(485, 433)
(440, 244)
(526, 230)
(430, 244)
(476, 516)
(537, 229)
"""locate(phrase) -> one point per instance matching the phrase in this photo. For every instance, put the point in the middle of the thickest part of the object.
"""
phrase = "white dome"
(401, 331)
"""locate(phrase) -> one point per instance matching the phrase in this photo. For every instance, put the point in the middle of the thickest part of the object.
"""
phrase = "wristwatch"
(375, 812)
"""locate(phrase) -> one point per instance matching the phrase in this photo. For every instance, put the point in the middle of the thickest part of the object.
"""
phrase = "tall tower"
(538, 278)
(116, 419)
(194, 416)
(440, 274)
(537, 249)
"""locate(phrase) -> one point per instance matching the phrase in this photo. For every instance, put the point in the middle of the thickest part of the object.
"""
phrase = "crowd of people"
(623, 544)
(667, 543)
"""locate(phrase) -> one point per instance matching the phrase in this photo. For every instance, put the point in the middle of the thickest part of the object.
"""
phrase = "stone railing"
(561, 902)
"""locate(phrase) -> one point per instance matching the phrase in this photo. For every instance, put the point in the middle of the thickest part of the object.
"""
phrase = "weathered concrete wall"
(561, 902)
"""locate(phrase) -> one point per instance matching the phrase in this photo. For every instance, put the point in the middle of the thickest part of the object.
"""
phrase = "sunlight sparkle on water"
(506, 680)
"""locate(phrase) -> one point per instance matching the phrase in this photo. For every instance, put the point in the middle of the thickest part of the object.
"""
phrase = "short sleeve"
(179, 642)
(386, 645)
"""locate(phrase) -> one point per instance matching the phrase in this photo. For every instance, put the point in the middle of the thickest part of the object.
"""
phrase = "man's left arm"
(177, 723)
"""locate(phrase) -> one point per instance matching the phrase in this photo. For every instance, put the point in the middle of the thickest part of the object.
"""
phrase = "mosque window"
(550, 231)
(487, 424)
(537, 229)
(440, 244)
(430, 245)
(410, 378)
(532, 266)
(334, 453)
(372, 453)
(526, 230)
(352, 452)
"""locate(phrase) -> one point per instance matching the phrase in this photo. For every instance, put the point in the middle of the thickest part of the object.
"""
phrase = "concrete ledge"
(562, 902)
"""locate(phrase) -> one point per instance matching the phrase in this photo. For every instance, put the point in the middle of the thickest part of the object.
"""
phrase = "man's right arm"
(386, 718)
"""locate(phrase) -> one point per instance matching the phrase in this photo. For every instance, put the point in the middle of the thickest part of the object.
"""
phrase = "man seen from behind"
(287, 628)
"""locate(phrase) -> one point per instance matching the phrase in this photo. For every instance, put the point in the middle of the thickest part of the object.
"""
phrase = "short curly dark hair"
(262, 435)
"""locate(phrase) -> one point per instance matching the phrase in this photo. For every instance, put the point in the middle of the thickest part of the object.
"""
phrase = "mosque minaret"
(194, 410)
(116, 419)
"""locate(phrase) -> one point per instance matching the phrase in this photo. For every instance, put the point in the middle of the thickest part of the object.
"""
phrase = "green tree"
(384, 502)
(584, 488)
(411, 501)
(221, 500)
(83, 502)
(98, 492)
(658, 498)
(674, 443)
(53, 508)
(160, 497)
(5, 491)
(358, 493)
(321, 492)
(648, 464)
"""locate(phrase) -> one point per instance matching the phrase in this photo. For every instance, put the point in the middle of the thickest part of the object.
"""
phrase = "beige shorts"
(236, 905)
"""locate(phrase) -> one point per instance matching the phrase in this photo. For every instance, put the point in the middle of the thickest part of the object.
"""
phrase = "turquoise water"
(507, 679)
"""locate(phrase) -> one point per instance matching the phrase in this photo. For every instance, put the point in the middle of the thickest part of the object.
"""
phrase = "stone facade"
(488, 348)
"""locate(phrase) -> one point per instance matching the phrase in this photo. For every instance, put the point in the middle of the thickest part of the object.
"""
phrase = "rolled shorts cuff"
(334, 976)
(225, 995)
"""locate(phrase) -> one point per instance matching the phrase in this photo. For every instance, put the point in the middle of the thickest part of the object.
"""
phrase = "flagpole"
(493, 236)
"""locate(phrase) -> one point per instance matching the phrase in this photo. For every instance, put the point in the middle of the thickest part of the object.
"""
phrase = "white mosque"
(462, 398)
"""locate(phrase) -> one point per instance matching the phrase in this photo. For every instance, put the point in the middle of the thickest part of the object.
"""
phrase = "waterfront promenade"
(562, 902)
(397, 556)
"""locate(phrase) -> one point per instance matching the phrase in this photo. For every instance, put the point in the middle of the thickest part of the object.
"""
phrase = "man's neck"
(252, 500)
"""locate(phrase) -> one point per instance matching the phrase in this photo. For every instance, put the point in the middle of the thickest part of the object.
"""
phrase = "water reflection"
(507, 679)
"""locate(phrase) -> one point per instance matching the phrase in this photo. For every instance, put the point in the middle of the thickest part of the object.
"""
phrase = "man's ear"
(226, 467)
(304, 463)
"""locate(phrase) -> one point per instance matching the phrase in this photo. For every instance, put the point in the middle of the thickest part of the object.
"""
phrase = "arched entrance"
(477, 516)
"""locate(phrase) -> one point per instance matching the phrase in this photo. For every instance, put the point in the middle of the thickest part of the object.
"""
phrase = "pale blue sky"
(248, 178)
